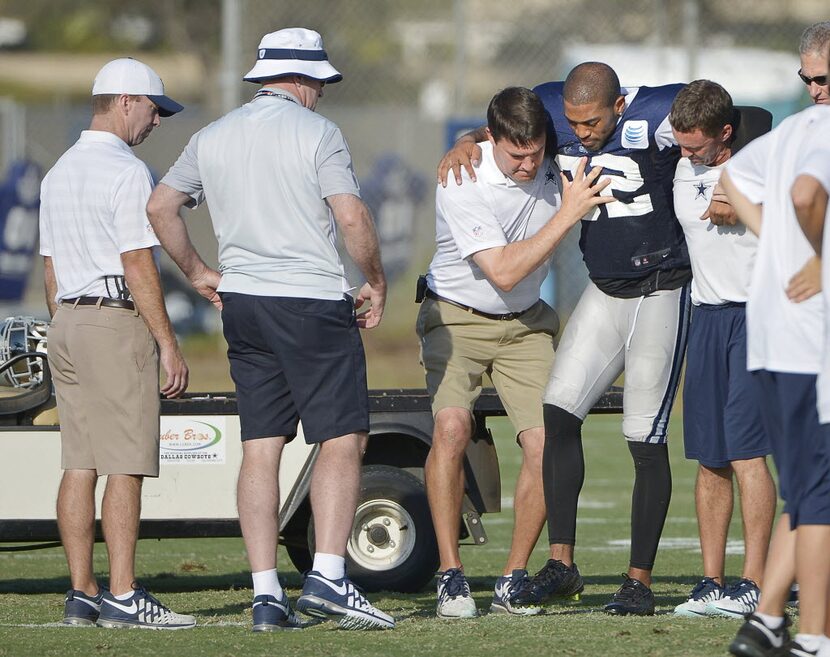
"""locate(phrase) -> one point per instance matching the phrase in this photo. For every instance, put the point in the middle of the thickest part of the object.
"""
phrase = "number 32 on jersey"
(626, 179)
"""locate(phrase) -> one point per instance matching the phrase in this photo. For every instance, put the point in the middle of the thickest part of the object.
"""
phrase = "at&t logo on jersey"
(635, 134)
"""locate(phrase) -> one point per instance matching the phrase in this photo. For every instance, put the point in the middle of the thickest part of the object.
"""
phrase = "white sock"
(811, 642)
(772, 622)
(266, 583)
(330, 566)
(124, 596)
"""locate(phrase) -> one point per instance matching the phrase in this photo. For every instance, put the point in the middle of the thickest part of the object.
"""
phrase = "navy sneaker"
(632, 598)
(272, 615)
(141, 610)
(339, 599)
(504, 589)
(80, 608)
(554, 579)
(755, 639)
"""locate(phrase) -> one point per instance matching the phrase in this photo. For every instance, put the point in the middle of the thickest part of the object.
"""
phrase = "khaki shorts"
(104, 364)
(458, 348)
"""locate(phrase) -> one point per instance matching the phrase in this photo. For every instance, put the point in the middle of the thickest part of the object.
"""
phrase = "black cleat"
(554, 579)
(755, 639)
(633, 597)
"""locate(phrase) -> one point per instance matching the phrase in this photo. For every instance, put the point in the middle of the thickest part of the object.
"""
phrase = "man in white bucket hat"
(274, 174)
(108, 333)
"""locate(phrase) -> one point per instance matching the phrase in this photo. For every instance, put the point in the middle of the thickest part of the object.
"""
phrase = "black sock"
(649, 501)
(563, 467)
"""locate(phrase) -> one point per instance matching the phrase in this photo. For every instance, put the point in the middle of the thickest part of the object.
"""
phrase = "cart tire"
(392, 545)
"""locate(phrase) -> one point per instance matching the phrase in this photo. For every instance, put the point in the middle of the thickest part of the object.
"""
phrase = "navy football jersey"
(638, 234)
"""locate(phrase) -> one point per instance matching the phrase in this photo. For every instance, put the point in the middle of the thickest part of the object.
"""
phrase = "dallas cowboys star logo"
(550, 176)
(701, 190)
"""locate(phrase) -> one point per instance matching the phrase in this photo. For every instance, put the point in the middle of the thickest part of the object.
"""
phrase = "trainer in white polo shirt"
(108, 333)
(482, 314)
(785, 348)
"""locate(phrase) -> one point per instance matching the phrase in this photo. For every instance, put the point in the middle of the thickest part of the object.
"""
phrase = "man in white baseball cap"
(130, 76)
(109, 332)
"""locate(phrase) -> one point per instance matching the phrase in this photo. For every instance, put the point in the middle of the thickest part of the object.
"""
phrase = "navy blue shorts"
(800, 445)
(296, 359)
(721, 400)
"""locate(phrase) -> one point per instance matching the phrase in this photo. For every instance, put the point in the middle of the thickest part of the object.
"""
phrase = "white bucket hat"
(292, 51)
(130, 76)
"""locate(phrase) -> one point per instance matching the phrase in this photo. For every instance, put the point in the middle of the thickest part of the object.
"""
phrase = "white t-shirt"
(265, 170)
(721, 256)
(92, 209)
(815, 162)
(491, 212)
(782, 336)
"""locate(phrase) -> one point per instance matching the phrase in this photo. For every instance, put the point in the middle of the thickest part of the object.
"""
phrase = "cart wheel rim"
(383, 535)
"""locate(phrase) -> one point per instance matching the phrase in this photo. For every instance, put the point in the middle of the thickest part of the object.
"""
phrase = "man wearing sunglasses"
(813, 50)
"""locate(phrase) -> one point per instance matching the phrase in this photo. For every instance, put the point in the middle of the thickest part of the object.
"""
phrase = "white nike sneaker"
(705, 591)
(141, 610)
(340, 599)
(454, 597)
(740, 599)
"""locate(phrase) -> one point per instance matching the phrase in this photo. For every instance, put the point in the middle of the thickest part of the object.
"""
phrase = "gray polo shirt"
(264, 170)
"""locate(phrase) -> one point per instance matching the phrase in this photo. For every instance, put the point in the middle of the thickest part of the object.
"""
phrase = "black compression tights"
(649, 501)
(563, 467)
(564, 472)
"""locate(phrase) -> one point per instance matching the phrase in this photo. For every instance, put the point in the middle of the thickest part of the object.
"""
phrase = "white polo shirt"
(782, 336)
(722, 257)
(265, 170)
(815, 162)
(488, 213)
(92, 209)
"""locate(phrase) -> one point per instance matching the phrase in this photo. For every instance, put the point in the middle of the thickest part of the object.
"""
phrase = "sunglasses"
(820, 80)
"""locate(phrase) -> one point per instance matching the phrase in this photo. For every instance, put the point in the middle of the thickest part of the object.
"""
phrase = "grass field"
(208, 578)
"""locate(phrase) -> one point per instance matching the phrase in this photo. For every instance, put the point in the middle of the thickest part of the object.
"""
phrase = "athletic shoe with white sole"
(796, 649)
(272, 615)
(341, 600)
(141, 610)
(505, 587)
(554, 579)
(755, 639)
(454, 597)
(80, 608)
(740, 599)
(705, 591)
(632, 598)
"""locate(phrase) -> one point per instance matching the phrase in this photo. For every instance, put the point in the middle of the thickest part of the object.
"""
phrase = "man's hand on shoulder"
(465, 153)
(371, 317)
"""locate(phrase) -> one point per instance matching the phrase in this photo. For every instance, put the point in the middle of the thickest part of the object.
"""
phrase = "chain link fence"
(415, 73)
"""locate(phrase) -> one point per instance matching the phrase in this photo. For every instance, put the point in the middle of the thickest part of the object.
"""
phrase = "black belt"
(503, 317)
(103, 301)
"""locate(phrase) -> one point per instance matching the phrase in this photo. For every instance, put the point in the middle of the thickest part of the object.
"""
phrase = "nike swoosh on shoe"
(341, 589)
(133, 608)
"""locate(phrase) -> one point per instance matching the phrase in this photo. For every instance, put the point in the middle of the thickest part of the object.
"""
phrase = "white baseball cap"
(292, 51)
(130, 76)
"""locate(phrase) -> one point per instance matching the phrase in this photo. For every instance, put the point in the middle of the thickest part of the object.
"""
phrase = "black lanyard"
(276, 94)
